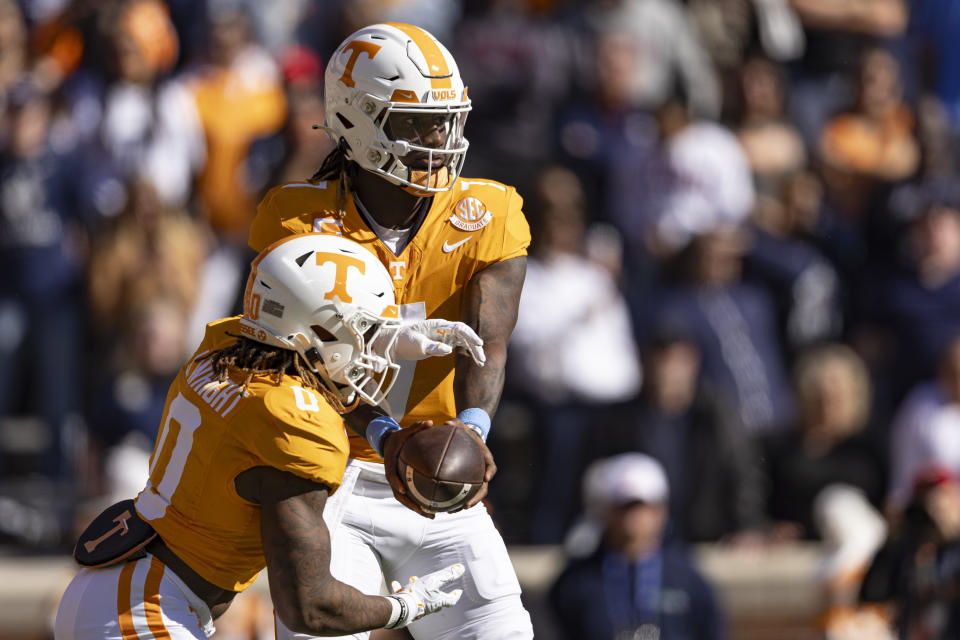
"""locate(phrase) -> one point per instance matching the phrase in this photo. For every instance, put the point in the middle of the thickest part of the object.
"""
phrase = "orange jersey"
(210, 432)
(475, 224)
(235, 109)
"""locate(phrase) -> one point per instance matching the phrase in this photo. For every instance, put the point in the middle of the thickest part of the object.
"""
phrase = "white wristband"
(397, 615)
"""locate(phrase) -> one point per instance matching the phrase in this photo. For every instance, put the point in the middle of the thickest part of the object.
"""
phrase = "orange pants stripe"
(136, 600)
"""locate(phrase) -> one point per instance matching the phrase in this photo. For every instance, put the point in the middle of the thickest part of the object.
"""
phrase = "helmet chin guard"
(330, 300)
(389, 71)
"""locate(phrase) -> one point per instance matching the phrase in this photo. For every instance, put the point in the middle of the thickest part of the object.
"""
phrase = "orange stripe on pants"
(125, 615)
(151, 600)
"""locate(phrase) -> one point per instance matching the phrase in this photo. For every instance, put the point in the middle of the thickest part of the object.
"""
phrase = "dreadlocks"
(256, 359)
(336, 166)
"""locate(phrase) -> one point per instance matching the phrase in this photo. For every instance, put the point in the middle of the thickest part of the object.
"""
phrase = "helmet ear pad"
(358, 130)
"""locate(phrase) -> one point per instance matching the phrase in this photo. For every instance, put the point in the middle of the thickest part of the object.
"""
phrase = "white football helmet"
(328, 299)
(395, 95)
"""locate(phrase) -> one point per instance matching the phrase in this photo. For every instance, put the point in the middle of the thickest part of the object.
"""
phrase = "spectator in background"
(633, 585)
(774, 147)
(939, 157)
(803, 282)
(276, 22)
(693, 178)
(785, 256)
(715, 478)
(667, 55)
(57, 40)
(829, 444)
(523, 62)
(141, 287)
(864, 151)
(696, 179)
(606, 122)
(14, 52)
(126, 403)
(800, 214)
(298, 149)
(733, 323)
(148, 252)
(435, 16)
(41, 313)
(837, 33)
(733, 30)
(911, 309)
(926, 430)
(914, 576)
(852, 530)
(239, 96)
(874, 139)
(568, 300)
(150, 128)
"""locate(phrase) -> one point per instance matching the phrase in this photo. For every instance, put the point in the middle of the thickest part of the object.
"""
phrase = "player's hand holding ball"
(392, 443)
(437, 469)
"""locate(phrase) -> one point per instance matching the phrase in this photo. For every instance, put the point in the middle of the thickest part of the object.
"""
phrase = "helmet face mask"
(395, 96)
(331, 301)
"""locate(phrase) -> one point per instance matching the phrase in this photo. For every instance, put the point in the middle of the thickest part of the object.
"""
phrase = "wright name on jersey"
(212, 431)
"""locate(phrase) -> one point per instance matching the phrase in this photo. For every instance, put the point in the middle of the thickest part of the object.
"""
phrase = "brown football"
(442, 467)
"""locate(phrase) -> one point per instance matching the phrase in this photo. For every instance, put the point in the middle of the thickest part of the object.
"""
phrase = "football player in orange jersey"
(250, 446)
(455, 248)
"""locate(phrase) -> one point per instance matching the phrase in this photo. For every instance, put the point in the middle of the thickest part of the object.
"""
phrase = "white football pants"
(130, 600)
(375, 538)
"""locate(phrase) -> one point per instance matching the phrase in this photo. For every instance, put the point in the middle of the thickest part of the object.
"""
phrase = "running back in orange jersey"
(212, 431)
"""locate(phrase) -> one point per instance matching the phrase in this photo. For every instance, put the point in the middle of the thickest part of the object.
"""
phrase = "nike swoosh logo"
(448, 247)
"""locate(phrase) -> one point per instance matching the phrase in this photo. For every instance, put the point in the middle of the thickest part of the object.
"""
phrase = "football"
(442, 467)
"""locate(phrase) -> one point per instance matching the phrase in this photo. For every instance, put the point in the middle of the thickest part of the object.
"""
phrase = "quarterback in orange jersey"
(455, 248)
(250, 446)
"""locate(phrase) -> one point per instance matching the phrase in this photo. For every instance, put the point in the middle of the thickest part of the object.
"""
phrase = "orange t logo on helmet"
(356, 48)
(342, 263)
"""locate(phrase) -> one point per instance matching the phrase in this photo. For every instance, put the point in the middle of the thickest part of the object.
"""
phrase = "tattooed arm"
(296, 545)
(492, 302)
(491, 305)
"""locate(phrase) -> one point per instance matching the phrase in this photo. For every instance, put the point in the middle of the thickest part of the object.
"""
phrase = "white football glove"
(423, 596)
(421, 339)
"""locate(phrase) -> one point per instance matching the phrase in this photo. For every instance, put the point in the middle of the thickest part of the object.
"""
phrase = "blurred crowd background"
(746, 254)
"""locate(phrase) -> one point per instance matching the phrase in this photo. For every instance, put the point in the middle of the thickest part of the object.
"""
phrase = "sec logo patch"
(470, 214)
